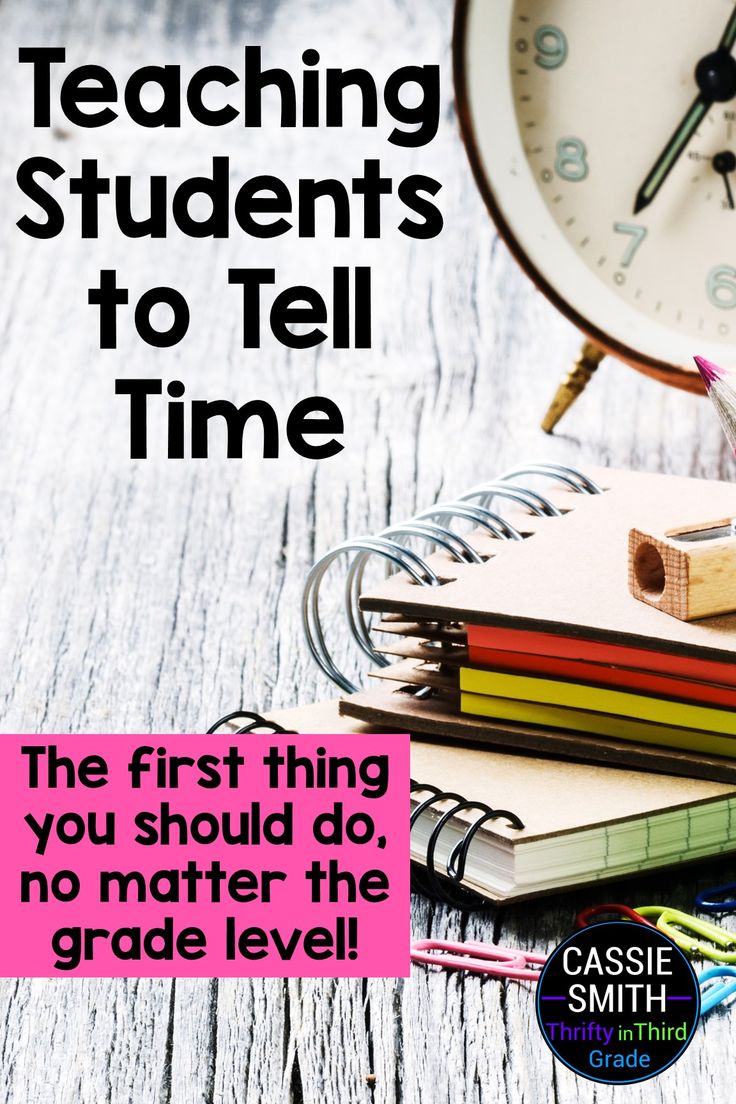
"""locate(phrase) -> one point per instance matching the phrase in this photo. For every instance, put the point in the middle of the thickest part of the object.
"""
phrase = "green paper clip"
(720, 945)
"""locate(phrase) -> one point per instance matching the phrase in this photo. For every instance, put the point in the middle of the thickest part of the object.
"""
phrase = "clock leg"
(573, 383)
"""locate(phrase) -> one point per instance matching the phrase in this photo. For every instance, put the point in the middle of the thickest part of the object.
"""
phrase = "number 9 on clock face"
(568, 110)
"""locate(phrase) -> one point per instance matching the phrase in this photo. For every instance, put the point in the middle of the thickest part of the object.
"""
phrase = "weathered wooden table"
(155, 595)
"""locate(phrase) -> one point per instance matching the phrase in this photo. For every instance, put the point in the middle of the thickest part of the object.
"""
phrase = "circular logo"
(618, 1002)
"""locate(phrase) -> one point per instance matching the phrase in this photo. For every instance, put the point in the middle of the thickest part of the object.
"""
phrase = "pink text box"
(262, 925)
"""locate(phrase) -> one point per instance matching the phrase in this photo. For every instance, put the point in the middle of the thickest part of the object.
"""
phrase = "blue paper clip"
(719, 990)
(706, 901)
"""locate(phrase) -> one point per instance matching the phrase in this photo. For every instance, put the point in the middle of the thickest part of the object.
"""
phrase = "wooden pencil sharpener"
(688, 572)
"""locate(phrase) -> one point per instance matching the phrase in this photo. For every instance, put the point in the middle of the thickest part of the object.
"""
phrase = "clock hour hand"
(715, 75)
(724, 163)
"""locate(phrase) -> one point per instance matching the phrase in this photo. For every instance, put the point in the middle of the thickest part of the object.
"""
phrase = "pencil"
(720, 383)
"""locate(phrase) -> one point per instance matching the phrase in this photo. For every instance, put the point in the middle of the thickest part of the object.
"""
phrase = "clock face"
(567, 106)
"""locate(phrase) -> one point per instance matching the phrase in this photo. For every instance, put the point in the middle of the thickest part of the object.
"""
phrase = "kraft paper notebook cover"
(562, 592)
(571, 575)
(610, 824)
(524, 710)
(438, 717)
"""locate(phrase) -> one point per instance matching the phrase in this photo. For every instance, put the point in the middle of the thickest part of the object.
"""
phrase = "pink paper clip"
(479, 958)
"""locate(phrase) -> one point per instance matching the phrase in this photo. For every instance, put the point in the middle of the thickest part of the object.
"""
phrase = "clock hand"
(715, 75)
(670, 153)
(728, 39)
(725, 163)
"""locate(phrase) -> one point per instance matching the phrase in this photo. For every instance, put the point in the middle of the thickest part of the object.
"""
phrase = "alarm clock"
(603, 140)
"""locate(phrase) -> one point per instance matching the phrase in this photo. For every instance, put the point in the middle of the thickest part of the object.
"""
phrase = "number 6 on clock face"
(721, 286)
(562, 136)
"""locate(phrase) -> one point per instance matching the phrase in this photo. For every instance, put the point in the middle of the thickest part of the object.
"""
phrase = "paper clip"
(720, 945)
(583, 918)
(706, 901)
(479, 958)
(719, 990)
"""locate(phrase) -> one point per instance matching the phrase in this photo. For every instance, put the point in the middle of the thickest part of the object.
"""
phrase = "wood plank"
(84, 1040)
(252, 1022)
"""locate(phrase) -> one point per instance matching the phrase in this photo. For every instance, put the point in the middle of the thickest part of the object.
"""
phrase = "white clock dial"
(569, 106)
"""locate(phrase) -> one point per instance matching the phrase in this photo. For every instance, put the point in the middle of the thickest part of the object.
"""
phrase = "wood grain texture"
(158, 594)
(687, 581)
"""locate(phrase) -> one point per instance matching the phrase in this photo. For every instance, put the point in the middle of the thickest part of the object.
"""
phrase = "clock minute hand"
(728, 39)
(671, 152)
(715, 75)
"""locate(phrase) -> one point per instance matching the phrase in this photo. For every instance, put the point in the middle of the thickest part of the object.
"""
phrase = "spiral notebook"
(528, 826)
(541, 581)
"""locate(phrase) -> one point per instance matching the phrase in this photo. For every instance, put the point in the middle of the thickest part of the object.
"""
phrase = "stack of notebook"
(529, 676)
(541, 646)
(577, 823)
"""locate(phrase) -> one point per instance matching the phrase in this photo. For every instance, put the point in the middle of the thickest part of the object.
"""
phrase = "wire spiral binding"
(446, 885)
(433, 525)
(255, 723)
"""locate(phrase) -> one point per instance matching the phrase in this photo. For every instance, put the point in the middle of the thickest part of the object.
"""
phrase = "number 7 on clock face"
(638, 234)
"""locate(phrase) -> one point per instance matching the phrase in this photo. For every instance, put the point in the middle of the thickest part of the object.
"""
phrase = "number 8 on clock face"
(603, 138)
